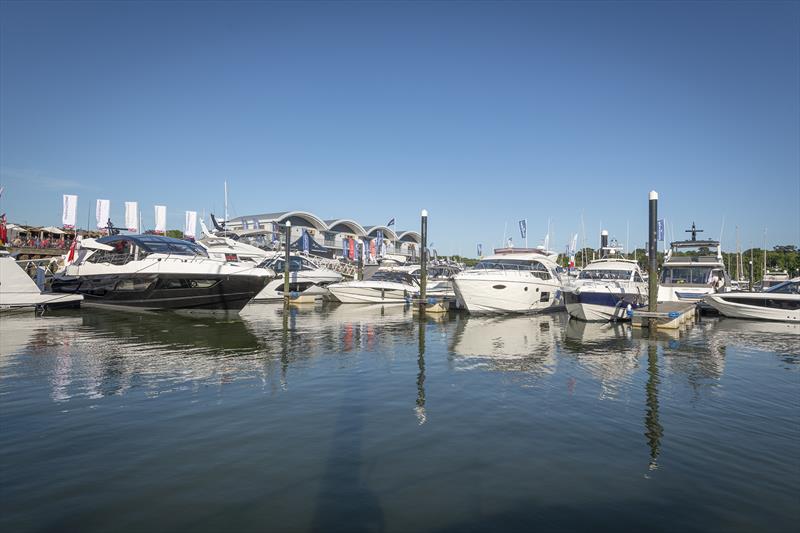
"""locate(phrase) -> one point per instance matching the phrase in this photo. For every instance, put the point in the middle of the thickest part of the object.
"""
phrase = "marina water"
(363, 418)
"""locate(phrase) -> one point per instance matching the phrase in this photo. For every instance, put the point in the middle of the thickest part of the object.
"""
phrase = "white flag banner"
(161, 219)
(190, 225)
(102, 213)
(70, 213)
(132, 216)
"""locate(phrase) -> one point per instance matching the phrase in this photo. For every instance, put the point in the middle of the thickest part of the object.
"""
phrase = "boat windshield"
(296, 264)
(693, 275)
(172, 246)
(394, 276)
(510, 264)
(598, 274)
(787, 287)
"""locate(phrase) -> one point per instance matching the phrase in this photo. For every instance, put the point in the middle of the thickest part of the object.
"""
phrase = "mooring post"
(652, 256)
(423, 278)
(286, 262)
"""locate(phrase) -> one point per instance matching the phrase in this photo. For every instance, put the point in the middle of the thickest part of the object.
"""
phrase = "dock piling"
(286, 294)
(423, 278)
(652, 259)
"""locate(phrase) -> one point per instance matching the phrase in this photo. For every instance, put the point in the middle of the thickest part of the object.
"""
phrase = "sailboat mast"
(225, 227)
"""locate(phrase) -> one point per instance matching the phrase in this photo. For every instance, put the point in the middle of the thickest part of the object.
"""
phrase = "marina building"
(332, 234)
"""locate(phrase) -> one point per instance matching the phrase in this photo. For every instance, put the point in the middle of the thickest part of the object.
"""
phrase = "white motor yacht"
(513, 280)
(605, 289)
(18, 292)
(689, 273)
(155, 272)
(305, 278)
(439, 277)
(385, 286)
(778, 303)
(232, 250)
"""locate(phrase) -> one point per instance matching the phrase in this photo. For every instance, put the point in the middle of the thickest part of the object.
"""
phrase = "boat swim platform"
(668, 315)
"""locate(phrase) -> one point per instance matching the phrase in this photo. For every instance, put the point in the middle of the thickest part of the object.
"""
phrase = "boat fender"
(673, 314)
(629, 311)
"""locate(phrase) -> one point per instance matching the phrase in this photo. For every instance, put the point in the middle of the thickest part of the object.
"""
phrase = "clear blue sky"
(483, 113)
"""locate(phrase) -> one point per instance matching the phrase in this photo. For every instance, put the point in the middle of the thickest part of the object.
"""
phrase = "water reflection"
(420, 408)
(523, 343)
(654, 431)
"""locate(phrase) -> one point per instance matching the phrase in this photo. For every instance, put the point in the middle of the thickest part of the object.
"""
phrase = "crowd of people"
(36, 242)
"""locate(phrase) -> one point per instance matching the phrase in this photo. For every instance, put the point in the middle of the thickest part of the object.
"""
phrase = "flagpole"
(526, 233)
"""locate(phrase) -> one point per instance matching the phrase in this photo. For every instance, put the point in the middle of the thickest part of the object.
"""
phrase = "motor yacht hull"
(480, 293)
(19, 293)
(757, 306)
(311, 284)
(601, 305)
(164, 291)
(372, 292)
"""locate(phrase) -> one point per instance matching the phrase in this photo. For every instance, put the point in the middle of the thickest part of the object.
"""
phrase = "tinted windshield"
(397, 277)
(171, 246)
(694, 275)
(787, 287)
(510, 264)
(624, 275)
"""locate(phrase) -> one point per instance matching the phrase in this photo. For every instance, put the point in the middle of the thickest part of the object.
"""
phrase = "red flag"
(3, 229)
(71, 255)
(352, 249)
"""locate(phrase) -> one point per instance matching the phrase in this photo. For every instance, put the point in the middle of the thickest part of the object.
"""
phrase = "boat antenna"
(694, 231)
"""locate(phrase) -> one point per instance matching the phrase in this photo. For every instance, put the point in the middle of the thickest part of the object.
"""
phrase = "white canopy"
(53, 230)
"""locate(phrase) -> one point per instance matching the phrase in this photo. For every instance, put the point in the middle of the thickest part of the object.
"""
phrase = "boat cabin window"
(296, 264)
(694, 275)
(787, 287)
(170, 246)
(598, 274)
(637, 278)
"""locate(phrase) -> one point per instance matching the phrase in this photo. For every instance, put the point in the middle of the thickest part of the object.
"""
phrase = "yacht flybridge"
(605, 289)
(692, 269)
(154, 272)
(513, 280)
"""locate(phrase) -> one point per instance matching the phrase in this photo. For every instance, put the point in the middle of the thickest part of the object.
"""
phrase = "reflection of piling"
(420, 409)
(423, 278)
(286, 262)
(653, 429)
(652, 263)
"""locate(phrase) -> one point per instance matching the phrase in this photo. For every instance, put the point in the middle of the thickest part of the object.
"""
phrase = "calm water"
(355, 418)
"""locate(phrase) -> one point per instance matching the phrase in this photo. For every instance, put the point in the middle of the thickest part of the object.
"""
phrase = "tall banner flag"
(373, 249)
(660, 229)
(390, 223)
(190, 225)
(275, 232)
(70, 214)
(255, 224)
(244, 224)
(352, 249)
(306, 242)
(102, 213)
(132, 216)
(161, 219)
(363, 251)
(379, 239)
(383, 248)
(480, 250)
(523, 228)
(344, 247)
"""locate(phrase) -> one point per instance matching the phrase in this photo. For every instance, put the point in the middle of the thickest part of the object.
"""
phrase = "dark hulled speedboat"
(154, 272)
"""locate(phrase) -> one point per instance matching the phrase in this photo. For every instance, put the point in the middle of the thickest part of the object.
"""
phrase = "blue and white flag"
(390, 223)
(480, 249)
(660, 227)
(523, 228)
(275, 232)
(306, 242)
(255, 224)
(379, 240)
(244, 223)
(345, 248)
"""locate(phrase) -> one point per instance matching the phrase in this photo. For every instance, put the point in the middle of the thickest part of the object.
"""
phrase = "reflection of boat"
(779, 303)
(775, 337)
(607, 351)
(305, 278)
(19, 292)
(605, 289)
(154, 272)
(513, 343)
(385, 286)
(511, 281)
(20, 331)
